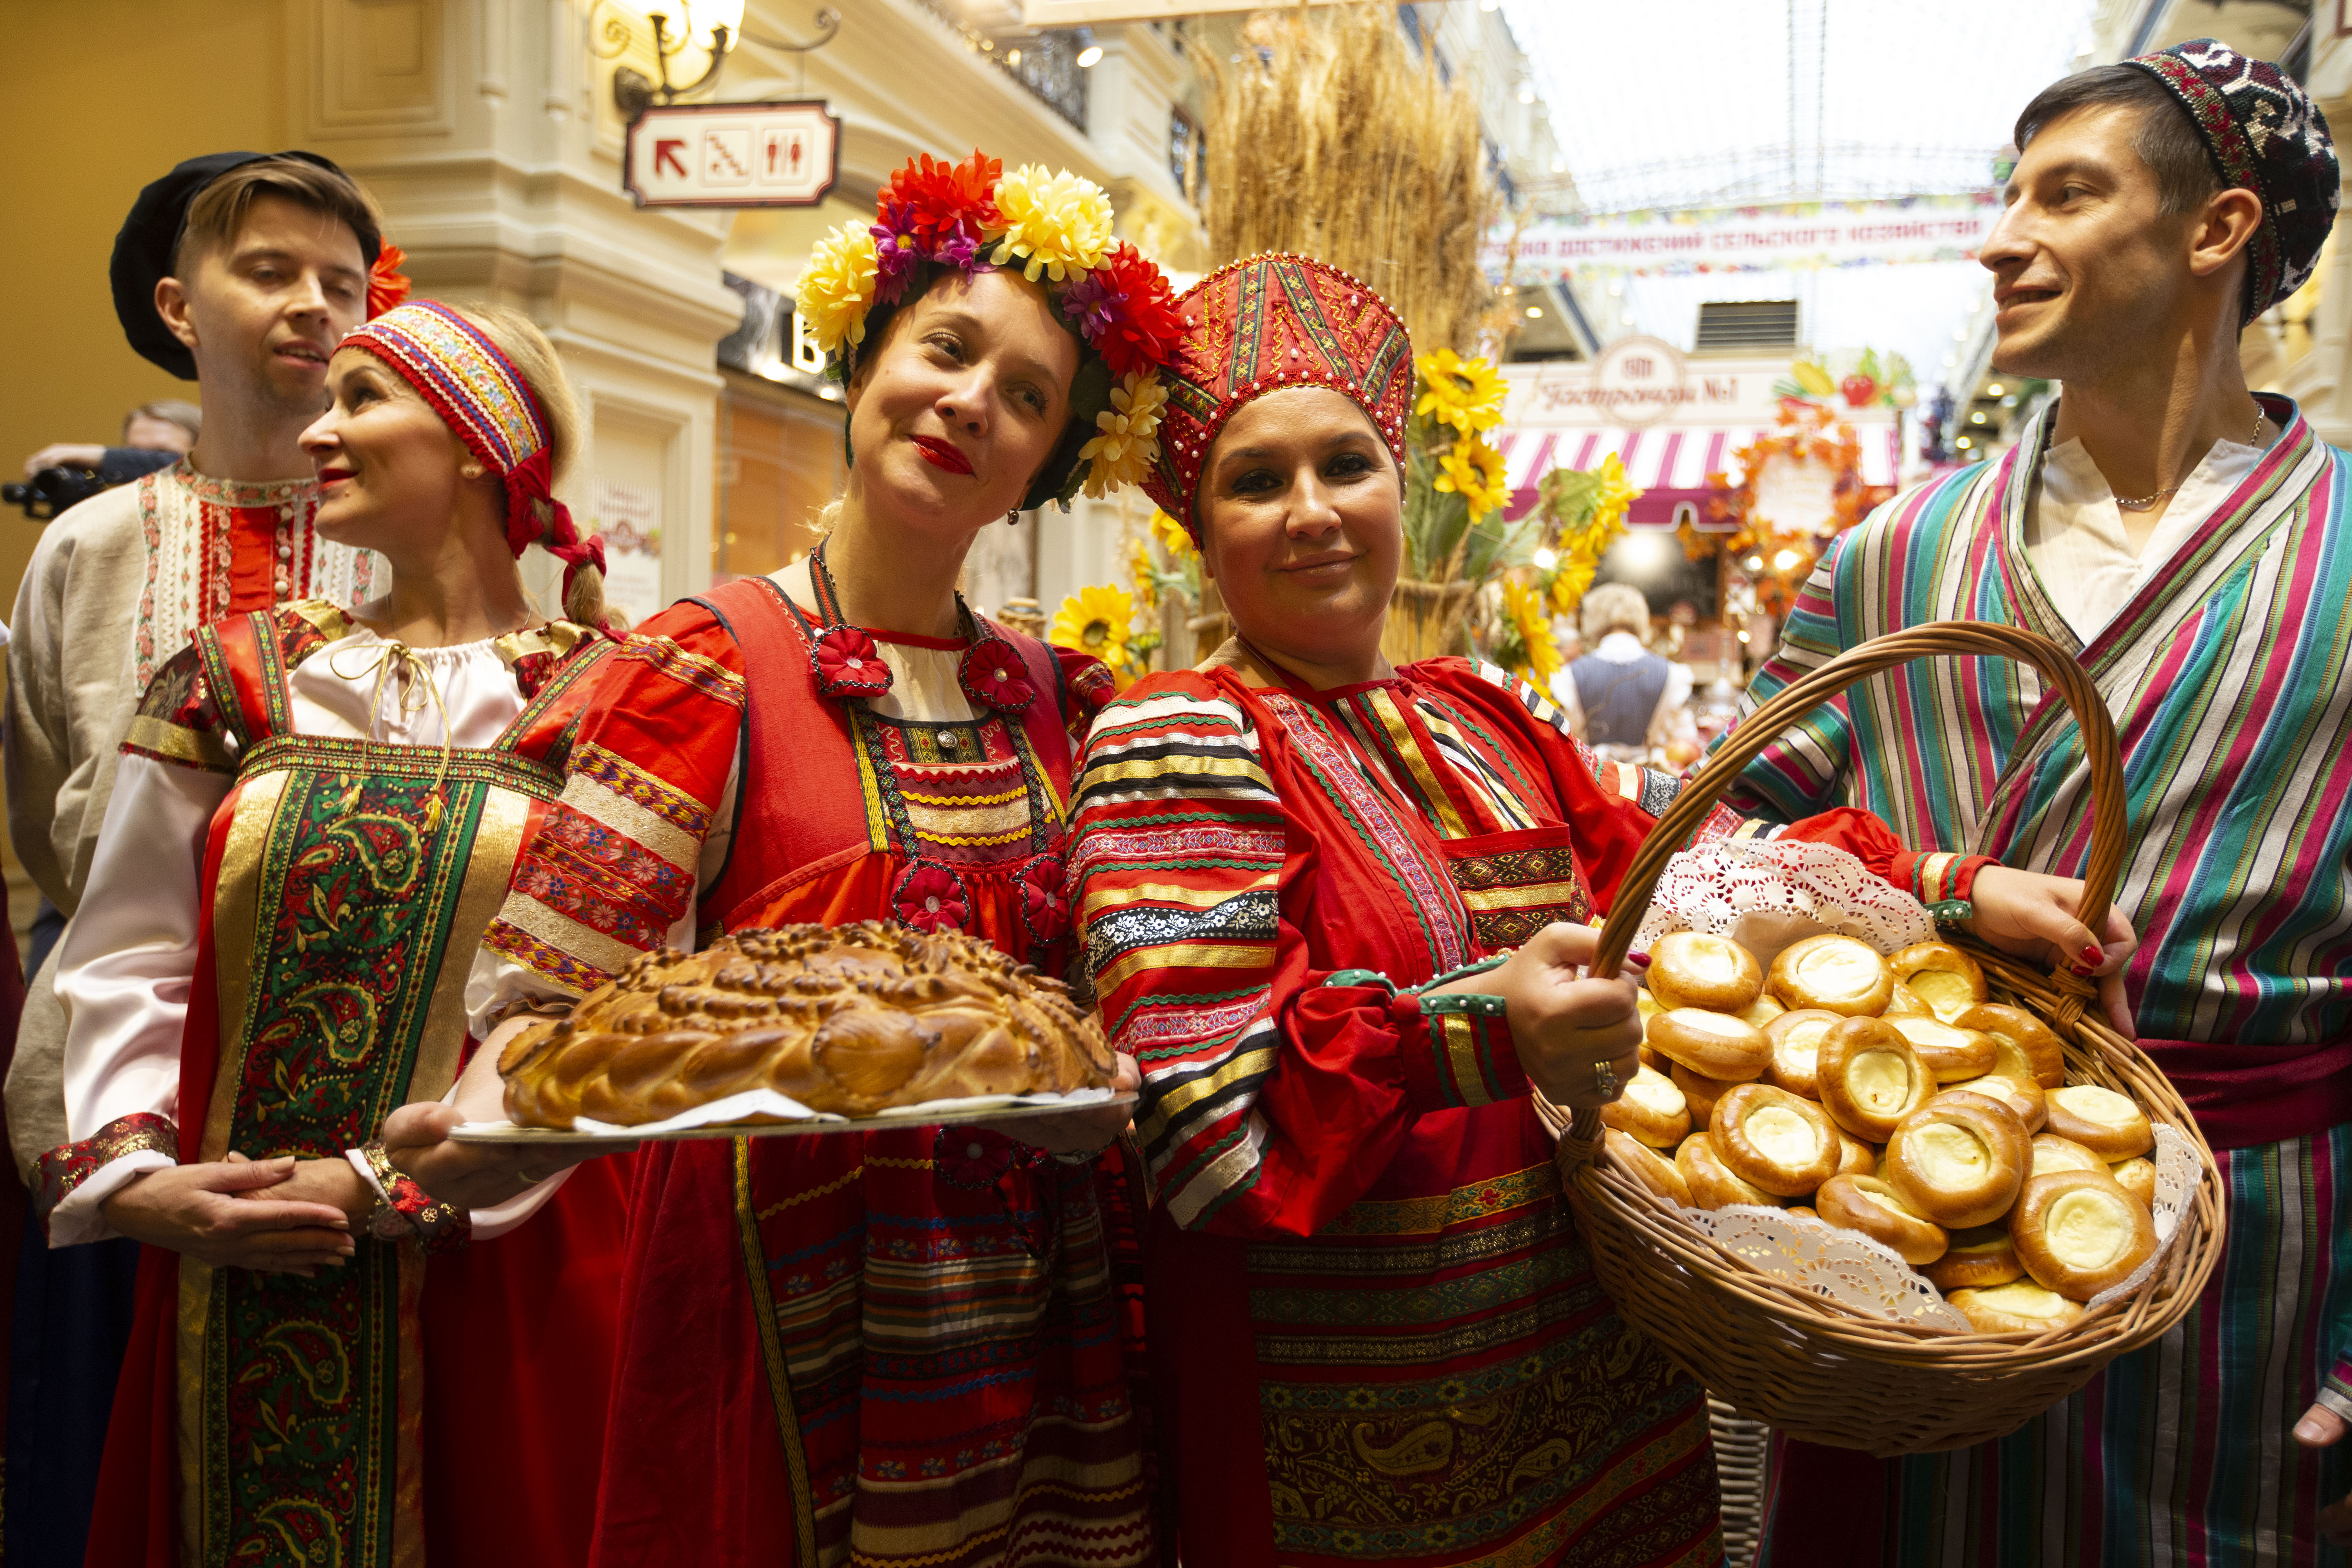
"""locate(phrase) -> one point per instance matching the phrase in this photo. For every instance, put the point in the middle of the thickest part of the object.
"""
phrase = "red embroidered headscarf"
(478, 392)
(1259, 325)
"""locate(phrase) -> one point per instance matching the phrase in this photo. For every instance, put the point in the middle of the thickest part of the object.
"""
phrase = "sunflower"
(1474, 470)
(1570, 584)
(1059, 222)
(1123, 453)
(1466, 394)
(1172, 538)
(1097, 620)
(1138, 571)
(837, 287)
(1525, 606)
(1615, 494)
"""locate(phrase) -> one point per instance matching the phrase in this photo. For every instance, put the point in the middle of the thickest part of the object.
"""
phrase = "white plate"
(995, 1110)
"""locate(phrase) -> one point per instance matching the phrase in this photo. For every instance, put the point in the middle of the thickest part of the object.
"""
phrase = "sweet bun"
(2078, 1232)
(1960, 1159)
(1837, 973)
(2023, 1095)
(1952, 1055)
(1774, 1139)
(1796, 1039)
(2024, 1047)
(1942, 976)
(1761, 1012)
(1714, 1184)
(1902, 1002)
(1803, 1211)
(1699, 1091)
(2107, 1123)
(2020, 1307)
(1652, 1169)
(1715, 1044)
(1856, 1158)
(1979, 1259)
(2053, 1154)
(2136, 1176)
(1651, 1109)
(1694, 969)
(1869, 1207)
(1870, 1078)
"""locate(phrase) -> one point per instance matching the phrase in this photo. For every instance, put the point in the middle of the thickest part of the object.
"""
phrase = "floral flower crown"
(1056, 228)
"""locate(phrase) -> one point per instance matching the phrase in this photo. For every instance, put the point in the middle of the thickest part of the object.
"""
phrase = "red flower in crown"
(1142, 325)
(929, 200)
(1044, 909)
(387, 286)
(848, 664)
(994, 673)
(930, 898)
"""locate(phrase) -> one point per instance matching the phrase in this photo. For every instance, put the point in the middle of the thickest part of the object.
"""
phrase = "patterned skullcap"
(1259, 325)
(2264, 134)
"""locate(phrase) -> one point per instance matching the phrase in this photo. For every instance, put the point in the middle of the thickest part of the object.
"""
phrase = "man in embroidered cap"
(2184, 537)
(240, 271)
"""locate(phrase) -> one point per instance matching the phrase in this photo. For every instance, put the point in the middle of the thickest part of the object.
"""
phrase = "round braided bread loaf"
(850, 1019)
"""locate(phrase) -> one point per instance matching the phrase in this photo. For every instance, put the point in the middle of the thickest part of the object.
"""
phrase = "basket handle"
(1764, 726)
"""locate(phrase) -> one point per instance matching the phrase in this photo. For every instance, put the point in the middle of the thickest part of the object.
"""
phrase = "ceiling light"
(1534, 311)
(1743, 636)
(1754, 563)
(1013, 57)
(1993, 391)
(1959, 334)
(1088, 56)
(1964, 443)
(1785, 559)
(1616, 287)
(1560, 166)
(1546, 560)
(1977, 419)
(1490, 5)
(1527, 95)
(1951, 360)
(1627, 318)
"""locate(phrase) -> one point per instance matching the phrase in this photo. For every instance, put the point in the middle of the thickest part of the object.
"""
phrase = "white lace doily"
(1766, 893)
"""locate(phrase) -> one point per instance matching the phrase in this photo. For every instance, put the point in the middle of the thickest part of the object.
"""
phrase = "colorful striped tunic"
(1360, 1257)
(2230, 676)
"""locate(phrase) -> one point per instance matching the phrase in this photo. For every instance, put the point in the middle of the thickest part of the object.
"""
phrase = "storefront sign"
(732, 155)
(1813, 235)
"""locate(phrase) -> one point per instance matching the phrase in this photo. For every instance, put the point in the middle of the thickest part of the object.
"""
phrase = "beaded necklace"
(846, 664)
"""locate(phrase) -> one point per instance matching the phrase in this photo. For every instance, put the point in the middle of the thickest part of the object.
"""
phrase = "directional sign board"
(731, 155)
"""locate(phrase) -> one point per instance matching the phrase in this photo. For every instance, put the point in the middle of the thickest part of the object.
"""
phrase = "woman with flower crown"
(908, 1346)
(1334, 910)
(314, 820)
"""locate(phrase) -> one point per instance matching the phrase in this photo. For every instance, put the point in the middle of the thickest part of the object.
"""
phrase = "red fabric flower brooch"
(992, 672)
(930, 898)
(1044, 909)
(848, 663)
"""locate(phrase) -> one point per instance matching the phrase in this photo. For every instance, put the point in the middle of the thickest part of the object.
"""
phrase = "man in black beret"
(2186, 540)
(240, 271)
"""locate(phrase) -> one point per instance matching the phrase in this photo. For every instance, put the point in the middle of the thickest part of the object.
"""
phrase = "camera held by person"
(154, 435)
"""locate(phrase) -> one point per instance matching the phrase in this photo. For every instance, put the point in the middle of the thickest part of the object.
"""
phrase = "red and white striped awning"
(1670, 465)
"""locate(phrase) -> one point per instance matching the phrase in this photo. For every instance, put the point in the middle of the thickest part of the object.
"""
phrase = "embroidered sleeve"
(179, 721)
(613, 865)
(62, 1172)
(1086, 684)
(1271, 1099)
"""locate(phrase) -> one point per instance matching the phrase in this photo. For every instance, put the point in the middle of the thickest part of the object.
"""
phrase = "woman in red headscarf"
(1335, 910)
(316, 816)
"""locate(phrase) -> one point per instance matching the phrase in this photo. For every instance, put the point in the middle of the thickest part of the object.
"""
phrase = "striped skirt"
(2180, 1452)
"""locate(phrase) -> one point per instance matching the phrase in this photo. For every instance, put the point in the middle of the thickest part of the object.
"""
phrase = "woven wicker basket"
(1812, 1367)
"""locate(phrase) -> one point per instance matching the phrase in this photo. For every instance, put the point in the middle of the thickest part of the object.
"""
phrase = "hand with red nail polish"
(2038, 917)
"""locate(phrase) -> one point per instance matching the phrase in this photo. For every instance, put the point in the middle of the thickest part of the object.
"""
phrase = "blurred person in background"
(240, 271)
(154, 435)
(2185, 539)
(1625, 702)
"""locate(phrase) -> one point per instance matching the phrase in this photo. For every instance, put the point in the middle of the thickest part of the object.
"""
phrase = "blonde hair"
(534, 359)
(1615, 606)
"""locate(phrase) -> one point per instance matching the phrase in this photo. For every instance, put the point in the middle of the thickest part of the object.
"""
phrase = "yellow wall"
(104, 96)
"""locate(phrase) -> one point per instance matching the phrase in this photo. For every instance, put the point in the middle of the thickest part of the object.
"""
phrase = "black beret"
(142, 251)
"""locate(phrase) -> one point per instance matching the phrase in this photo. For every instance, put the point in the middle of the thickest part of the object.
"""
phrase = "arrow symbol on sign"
(666, 151)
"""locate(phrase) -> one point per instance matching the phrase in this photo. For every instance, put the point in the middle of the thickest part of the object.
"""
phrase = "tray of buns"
(1903, 1197)
(805, 1030)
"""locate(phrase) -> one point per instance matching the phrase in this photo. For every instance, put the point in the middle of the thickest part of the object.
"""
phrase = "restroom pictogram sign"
(732, 155)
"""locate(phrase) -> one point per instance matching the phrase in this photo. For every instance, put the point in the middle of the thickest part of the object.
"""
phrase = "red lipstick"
(941, 454)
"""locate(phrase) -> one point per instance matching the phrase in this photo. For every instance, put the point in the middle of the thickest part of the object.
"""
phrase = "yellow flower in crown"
(1570, 584)
(837, 287)
(1172, 538)
(1526, 608)
(1058, 222)
(1097, 619)
(1129, 441)
(1466, 394)
(1474, 470)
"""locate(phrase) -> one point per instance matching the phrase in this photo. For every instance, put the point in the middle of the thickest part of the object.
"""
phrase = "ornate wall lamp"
(662, 31)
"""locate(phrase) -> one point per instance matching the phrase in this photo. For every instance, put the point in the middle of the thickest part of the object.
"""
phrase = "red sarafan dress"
(1376, 1334)
(404, 1407)
(905, 1347)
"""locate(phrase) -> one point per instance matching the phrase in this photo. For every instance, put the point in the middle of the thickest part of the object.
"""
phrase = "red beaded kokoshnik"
(1262, 324)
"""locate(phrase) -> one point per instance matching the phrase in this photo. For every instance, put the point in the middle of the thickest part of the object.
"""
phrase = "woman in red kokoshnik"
(315, 818)
(909, 1346)
(1318, 897)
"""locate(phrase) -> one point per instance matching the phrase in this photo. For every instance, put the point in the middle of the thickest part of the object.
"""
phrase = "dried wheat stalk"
(1328, 137)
